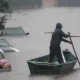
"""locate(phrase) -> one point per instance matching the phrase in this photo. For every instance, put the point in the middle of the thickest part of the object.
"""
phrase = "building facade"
(46, 3)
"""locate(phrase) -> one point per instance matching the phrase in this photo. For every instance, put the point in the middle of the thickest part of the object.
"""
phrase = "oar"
(47, 32)
(51, 32)
(63, 57)
(74, 50)
(75, 36)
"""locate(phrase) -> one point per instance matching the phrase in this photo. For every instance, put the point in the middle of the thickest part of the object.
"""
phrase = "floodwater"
(36, 22)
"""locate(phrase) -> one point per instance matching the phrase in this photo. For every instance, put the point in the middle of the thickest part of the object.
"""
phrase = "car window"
(13, 31)
(1, 56)
(4, 43)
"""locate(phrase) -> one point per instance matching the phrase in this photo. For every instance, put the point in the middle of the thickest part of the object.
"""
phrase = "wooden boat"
(42, 66)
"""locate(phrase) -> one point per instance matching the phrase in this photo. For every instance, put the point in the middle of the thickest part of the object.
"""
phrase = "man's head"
(59, 26)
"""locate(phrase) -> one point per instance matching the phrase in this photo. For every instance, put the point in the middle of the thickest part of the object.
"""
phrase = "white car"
(6, 47)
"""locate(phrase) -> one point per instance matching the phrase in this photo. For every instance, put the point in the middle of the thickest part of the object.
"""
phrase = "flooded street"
(36, 22)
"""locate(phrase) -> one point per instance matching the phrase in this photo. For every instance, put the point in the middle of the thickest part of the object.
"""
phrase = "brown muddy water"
(38, 21)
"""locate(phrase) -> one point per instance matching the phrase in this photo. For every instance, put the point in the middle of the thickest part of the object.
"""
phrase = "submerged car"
(13, 31)
(6, 47)
(4, 64)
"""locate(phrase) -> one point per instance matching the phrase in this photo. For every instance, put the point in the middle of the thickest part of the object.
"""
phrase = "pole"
(51, 33)
(74, 50)
(75, 36)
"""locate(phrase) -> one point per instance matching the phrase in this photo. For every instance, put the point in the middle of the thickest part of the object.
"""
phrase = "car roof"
(12, 31)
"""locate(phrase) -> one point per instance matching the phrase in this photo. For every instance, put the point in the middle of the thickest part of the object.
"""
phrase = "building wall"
(47, 3)
(75, 3)
(62, 2)
(67, 3)
(18, 3)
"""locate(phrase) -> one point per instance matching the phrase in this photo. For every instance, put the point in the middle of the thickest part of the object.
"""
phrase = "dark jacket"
(57, 37)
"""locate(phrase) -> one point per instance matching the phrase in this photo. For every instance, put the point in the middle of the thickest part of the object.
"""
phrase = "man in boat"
(57, 36)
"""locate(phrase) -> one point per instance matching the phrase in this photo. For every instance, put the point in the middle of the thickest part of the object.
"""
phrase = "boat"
(41, 65)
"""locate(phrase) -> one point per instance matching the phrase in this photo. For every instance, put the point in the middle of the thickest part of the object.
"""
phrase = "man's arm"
(66, 40)
(64, 34)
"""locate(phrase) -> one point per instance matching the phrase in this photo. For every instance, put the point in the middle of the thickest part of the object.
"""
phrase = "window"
(4, 43)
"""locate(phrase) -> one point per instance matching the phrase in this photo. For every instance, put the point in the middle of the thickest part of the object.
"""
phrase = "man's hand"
(70, 42)
(69, 33)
